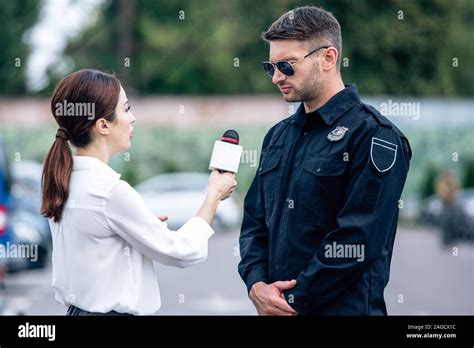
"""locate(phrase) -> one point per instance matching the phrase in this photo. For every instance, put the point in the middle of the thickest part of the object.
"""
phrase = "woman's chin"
(124, 147)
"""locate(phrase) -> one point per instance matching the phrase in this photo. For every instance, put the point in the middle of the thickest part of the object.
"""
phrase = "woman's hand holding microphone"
(220, 187)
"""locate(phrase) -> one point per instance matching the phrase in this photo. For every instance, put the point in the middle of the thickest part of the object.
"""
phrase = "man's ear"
(330, 58)
(102, 126)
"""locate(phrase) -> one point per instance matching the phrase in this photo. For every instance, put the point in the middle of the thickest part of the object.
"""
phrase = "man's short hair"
(307, 23)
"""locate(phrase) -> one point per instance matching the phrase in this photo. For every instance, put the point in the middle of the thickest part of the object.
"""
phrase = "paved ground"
(426, 279)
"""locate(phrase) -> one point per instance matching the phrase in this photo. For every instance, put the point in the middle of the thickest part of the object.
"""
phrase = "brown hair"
(307, 23)
(83, 89)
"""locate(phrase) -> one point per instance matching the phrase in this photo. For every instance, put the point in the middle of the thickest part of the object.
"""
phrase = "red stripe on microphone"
(231, 140)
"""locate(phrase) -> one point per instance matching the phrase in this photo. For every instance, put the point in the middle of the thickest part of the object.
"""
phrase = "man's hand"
(268, 299)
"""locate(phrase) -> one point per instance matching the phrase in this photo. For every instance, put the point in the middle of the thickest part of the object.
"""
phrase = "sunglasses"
(285, 67)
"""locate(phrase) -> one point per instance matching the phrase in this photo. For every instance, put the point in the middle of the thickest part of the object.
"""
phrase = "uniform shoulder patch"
(383, 154)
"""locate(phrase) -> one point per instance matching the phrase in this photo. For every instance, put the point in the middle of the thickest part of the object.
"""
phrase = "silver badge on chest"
(338, 133)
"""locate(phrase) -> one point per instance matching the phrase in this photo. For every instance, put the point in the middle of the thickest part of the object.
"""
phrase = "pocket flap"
(324, 166)
(269, 163)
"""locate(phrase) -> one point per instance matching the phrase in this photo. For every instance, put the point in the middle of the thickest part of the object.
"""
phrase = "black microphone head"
(231, 136)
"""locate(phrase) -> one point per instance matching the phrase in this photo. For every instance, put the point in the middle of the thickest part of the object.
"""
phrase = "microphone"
(226, 153)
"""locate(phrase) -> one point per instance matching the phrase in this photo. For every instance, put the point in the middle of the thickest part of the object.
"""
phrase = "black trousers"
(74, 311)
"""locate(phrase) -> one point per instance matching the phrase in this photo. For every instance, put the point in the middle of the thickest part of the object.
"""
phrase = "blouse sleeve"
(128, 217)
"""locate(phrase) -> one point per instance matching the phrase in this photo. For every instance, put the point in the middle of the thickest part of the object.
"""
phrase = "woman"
(104, 237)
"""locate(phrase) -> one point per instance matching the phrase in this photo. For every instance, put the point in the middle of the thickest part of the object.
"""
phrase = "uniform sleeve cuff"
(255, 276)
(298, 299)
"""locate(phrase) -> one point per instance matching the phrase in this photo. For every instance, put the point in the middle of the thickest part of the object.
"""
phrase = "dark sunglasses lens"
(269, 69)
(286, 68)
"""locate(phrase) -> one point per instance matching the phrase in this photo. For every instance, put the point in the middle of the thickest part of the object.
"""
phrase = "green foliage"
(468, 179)
(389, 52)
(16, 17)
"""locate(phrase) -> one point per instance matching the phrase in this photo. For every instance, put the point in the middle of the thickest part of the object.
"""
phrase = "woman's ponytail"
(57, 171)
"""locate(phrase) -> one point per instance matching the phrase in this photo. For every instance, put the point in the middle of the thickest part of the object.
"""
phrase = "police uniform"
(328, 185)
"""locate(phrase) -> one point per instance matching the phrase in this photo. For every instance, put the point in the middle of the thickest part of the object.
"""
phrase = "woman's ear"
(102, 126)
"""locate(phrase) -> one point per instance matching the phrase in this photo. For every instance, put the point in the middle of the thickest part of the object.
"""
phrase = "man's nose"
(278, 76)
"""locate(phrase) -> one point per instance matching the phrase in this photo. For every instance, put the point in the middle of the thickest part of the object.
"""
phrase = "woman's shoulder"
(124, 191)
(92, 183)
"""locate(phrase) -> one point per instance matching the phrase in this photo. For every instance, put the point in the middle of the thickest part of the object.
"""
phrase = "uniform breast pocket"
(321, 189)
(270, 179)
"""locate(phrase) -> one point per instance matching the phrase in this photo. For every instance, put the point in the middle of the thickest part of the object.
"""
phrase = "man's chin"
(290, 98)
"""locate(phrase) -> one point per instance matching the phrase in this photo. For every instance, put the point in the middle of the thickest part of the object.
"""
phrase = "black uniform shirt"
(323, 207)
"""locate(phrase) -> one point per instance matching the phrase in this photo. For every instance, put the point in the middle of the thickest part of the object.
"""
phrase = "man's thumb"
(287, 284)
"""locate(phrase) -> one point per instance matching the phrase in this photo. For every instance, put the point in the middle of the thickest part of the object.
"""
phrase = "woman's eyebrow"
(125, 102)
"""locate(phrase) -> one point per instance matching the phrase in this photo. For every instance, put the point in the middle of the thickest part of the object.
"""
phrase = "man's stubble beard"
(310, 89)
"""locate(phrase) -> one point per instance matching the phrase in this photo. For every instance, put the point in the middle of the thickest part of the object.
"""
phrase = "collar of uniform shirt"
(333, 109)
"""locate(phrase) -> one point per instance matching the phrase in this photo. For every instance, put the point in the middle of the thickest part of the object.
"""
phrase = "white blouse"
(107, 239)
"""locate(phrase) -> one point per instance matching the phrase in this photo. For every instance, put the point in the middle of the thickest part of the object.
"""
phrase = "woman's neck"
(95, 151)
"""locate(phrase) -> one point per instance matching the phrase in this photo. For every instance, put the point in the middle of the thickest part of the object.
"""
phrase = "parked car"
(29, 227)
(179, 196)
(5, 227)
(21, 224)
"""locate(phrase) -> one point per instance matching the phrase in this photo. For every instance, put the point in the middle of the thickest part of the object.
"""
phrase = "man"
(321, 213)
